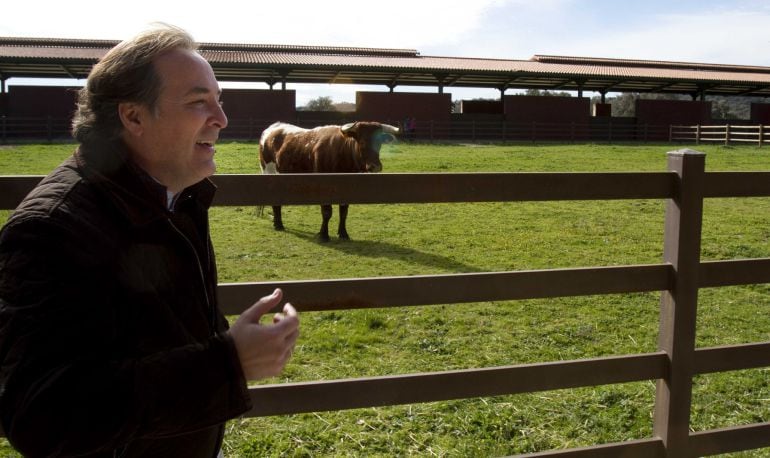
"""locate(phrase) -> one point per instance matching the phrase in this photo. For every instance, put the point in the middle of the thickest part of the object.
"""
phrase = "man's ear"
(131, 115)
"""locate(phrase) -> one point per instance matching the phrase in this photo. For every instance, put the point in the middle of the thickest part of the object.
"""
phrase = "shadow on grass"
(374, 249)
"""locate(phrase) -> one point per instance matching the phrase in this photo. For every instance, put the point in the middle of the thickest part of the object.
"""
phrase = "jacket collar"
(135, 193)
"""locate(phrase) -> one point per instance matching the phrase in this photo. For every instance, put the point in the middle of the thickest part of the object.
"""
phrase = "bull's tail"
(270, 168)
(268, 145)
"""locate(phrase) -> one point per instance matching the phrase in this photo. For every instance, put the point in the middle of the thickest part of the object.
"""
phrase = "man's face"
(174, 143)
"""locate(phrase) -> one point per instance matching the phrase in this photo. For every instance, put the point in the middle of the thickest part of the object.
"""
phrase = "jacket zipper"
(211, 311)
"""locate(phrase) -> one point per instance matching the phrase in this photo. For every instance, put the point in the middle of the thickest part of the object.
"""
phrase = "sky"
(703, 31)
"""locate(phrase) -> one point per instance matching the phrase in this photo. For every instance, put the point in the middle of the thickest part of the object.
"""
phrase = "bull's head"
(370, 136)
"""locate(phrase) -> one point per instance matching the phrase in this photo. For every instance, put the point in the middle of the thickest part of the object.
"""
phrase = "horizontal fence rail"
(677, 186)
(381, 391)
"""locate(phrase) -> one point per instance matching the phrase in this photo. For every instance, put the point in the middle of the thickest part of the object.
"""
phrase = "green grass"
(450, 238)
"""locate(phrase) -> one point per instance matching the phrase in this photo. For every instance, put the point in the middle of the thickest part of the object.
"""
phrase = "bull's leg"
(342, 231)
(326, 214)
(277, 220)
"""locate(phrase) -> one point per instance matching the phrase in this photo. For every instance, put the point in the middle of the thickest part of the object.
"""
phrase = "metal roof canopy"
(73, 58)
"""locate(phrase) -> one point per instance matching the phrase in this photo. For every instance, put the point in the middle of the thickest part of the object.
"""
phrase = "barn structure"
(277, 65)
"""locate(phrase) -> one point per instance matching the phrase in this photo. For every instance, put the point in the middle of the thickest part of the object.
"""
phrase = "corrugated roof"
(68, 58)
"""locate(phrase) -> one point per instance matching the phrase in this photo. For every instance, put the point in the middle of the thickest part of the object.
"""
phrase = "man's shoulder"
(54, 191)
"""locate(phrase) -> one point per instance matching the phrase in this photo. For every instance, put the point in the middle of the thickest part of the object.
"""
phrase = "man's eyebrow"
(202, 90)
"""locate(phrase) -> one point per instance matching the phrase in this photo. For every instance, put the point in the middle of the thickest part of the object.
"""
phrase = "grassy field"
(452, 238)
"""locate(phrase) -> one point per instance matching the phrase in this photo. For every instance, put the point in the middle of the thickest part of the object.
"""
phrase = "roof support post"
(440, 79)
(3, 98)
(502, 101)
(604, 96)
(284, 75)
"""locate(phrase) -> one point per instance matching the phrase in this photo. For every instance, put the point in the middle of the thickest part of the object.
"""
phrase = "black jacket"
(111, 342)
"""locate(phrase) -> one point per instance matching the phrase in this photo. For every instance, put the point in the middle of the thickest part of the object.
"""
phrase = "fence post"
(727, 134)
(761, 134)
(697, 134)
(678, 304)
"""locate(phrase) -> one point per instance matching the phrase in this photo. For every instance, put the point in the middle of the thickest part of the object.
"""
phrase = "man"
(111, 341)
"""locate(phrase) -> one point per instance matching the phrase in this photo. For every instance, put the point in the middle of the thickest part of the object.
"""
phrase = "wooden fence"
(679, 277)
(727, 133)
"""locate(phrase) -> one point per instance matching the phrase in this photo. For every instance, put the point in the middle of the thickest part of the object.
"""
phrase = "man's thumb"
(262, 306)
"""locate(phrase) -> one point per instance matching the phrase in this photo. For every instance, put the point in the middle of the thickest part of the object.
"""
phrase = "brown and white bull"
(352, 148)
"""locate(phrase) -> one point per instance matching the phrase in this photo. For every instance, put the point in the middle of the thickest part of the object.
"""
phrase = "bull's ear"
(349, 129)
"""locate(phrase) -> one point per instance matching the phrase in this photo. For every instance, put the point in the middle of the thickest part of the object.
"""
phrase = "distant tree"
(722, 107)
(624, 105)
(345, 107)
(731, 107)
(547, 93)
(322, 103)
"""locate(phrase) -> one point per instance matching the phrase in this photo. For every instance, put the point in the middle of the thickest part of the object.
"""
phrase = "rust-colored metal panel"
(688, 112)
(316, 295)
(41, 101)
(547, 109)
(395, 107)
(288, 398)
(760, 113)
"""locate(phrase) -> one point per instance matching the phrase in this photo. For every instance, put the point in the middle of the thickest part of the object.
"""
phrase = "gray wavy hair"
(125, 74)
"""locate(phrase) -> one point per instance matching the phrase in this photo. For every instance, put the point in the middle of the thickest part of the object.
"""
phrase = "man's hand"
(264, 349)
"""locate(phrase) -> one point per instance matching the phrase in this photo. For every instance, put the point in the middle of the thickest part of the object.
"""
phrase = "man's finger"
(289, 310)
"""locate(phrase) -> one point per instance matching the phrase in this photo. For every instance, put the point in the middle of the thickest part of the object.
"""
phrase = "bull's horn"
(387, 128)
(349, 127)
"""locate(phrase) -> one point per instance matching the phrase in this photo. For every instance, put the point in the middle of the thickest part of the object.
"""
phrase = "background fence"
(13, 128)
(678, 278)
(726, 134)
(598, 130)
